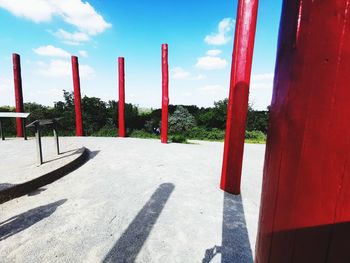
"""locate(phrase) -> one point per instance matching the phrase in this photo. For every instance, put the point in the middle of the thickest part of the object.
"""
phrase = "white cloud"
(214, 52)
(211, 63)
(82, 15)
(261, 87)
(261, 90)
(36, 10)
(74, 12)
(187, 94)
(83, 53)
(179, 73)
(199, 77)
(221, 37)
(4, 83)
(264, 80)
(62, 68)
(7, 93)
(51, 51)
(212, 88)
(71, 38)
(263, 77)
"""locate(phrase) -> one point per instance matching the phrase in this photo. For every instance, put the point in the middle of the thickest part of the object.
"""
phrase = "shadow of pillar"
(235, 245)
(130, 243)
(25, 220)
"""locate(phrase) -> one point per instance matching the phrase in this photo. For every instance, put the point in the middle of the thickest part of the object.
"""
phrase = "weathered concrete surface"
(137, 200)
(18, 163)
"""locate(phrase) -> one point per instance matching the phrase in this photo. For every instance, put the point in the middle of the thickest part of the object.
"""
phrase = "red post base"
(18, 91)
(121, 102)
(305, 206)
(165, 94)
(238, 98)
(77, 98)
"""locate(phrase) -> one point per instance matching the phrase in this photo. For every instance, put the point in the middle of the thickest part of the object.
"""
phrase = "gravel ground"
(136, 201)
(18, 159)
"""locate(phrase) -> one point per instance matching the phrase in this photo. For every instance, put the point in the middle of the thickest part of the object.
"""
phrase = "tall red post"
(238, 98)
(165, 93)
(305, 205)
(121, 102)
(18, 91)
(77, 97)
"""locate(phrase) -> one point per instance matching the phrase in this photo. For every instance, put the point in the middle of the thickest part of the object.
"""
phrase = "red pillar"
(238, 98)
(18, 91)
(165, 93)
(305, 206)
(121, 102)
(77, 97)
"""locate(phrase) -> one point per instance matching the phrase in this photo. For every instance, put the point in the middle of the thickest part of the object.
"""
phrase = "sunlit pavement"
(137, 200)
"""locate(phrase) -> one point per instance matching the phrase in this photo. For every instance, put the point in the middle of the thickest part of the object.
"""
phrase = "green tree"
(95, 114)
(181, 121)
(9, 124)
(257, 120)
(214, 117)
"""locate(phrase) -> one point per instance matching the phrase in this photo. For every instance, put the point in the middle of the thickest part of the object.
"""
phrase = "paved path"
(137, 201)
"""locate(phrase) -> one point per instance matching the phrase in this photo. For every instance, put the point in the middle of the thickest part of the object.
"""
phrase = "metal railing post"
(24, 129)
(55, 134)
(38, 144)
(2, 130)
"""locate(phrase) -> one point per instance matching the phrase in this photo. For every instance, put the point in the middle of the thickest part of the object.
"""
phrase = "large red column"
(238, 98)
(121, 102)
(77, 97)
(165, 93)
(18, 91)
(305, 206)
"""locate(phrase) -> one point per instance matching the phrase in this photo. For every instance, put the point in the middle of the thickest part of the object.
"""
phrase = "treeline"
(101, 118)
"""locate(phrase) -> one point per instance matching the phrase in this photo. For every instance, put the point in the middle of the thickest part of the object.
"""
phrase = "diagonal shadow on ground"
(235, 246)
(25, 220)
(130, 243)
(92, 154)
(5, 186)
(62, 156)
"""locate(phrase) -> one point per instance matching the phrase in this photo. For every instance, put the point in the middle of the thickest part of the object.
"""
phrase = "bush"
(178, 138)
(9, 124)
(181, 121)
(106, 132)
(143, 134)
(255, 136)
(101, 119)
(200, 133)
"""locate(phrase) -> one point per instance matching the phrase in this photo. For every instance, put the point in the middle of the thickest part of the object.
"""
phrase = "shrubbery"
(181, 121)
(200, 133)
(143, 134)
(101, 119)
(178, 138)
(255, 137)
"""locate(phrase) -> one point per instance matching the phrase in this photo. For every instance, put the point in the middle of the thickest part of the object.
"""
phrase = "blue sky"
(199, 33)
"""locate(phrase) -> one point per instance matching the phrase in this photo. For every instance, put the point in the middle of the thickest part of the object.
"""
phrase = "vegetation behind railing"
(101, 118)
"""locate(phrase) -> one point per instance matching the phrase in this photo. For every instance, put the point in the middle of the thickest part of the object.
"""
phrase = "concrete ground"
(19, 159)
(137, 201)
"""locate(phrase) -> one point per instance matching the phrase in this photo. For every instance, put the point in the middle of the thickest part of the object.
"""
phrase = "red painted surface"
(121, 102)
(165, 93)
(305, 206)
(238, 98)
(77, 97)
(18, 91)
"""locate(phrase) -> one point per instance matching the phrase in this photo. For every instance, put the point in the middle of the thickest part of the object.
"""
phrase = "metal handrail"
(37, 125)
(21, 115)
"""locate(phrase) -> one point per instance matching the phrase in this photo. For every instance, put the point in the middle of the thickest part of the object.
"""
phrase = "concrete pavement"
(137, 201)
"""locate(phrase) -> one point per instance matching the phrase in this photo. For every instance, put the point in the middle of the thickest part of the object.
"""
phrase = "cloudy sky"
(199, 33)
